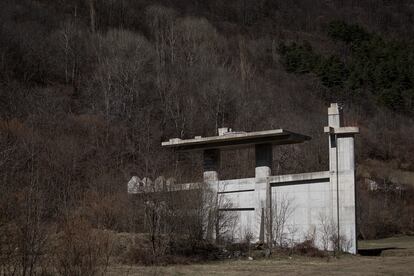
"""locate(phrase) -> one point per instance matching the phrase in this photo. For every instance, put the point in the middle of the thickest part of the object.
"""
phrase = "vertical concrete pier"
(342, 178)
(334, 122)
(264, 158)
(211, 165)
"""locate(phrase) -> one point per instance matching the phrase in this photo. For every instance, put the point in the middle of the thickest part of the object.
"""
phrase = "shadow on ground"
(375, 251)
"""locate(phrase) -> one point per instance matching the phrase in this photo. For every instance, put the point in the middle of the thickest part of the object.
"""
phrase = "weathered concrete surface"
(346, 192)
(342, 178)
(299, 177)
(308, 194)
(237, 139)
(300, 210)
(341, 130)
(317, 205)
(237, 185)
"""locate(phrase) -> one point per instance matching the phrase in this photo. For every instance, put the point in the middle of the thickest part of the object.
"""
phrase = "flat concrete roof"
(237, 140)
(341, 130)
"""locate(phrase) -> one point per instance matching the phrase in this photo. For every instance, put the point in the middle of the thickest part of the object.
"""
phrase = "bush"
(307, 248)
(195, 250)
(339, 30)
(299, 58)
(81, 250)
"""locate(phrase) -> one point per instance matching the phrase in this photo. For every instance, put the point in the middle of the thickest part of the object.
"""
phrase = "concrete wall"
(301, 206)
(300, 209)
(304, 202)
(239, 198)
(308, 195)
(320, 204)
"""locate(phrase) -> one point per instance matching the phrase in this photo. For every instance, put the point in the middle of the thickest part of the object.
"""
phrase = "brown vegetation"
(89, 89)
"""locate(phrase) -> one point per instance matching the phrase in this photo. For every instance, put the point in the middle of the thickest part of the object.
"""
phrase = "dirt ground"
(400, 264)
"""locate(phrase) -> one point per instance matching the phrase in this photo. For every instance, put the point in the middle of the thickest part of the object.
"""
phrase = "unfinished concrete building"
(283, 209)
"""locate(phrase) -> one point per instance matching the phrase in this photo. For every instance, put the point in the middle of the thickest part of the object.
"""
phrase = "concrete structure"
(285, 209)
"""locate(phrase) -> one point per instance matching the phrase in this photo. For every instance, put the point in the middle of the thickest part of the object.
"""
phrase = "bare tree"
(248, 238)
(327, 231)
(81, 250)
(330, 237)
(123, 57)
(92, 14)
(282, 210)
(155, 211)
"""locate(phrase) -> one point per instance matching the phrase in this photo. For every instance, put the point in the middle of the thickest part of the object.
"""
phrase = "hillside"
(90, 88)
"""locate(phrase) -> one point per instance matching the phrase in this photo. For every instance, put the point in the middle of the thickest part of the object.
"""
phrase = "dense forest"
(90, 88)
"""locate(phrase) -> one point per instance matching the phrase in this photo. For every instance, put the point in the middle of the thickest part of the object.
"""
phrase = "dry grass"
(401, 242)
(349, 265)
(387, 264)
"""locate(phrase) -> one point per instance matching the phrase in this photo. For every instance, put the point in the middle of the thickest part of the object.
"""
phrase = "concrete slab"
(237, 140)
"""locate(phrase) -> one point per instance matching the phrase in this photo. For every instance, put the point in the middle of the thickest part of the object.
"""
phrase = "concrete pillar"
(263, 170)
(342, 180)
(335, 117)
(334, 121)
(264, 158)
(211, 164)
(347, 192)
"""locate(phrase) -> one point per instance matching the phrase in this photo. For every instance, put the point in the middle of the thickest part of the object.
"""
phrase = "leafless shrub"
(282, 210)
(291, 239)
(155, 210)
(341, 243)
(327, 230)
(105, 211)
(330, 237)
(140, 252)
(81, 250)
(23, 239)
(248, 238)
(9, 257)
(225, 219)
(308, 248)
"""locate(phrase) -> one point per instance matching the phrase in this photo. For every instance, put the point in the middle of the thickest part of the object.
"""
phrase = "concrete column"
(342, 180)
(264, 158)
(347, 192)
(335, 117)
(263, 170)
(334, 121)
(211, 164)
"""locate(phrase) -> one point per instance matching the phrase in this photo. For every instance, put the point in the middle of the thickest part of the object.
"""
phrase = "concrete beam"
(228, 140)
(299, 177)
(341, 130)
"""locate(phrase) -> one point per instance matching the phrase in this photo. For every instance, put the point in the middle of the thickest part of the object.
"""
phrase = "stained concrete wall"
(318, 200)
(308, 198)
(308, 194)
(346, 192)
(342, 179)
(300, 210)
(241, 195)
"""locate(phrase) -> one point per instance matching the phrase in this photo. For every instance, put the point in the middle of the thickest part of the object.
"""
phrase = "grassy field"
(297, 265)
(400, 242)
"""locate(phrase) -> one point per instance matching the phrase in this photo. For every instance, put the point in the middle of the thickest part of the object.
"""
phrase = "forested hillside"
(90, 88)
